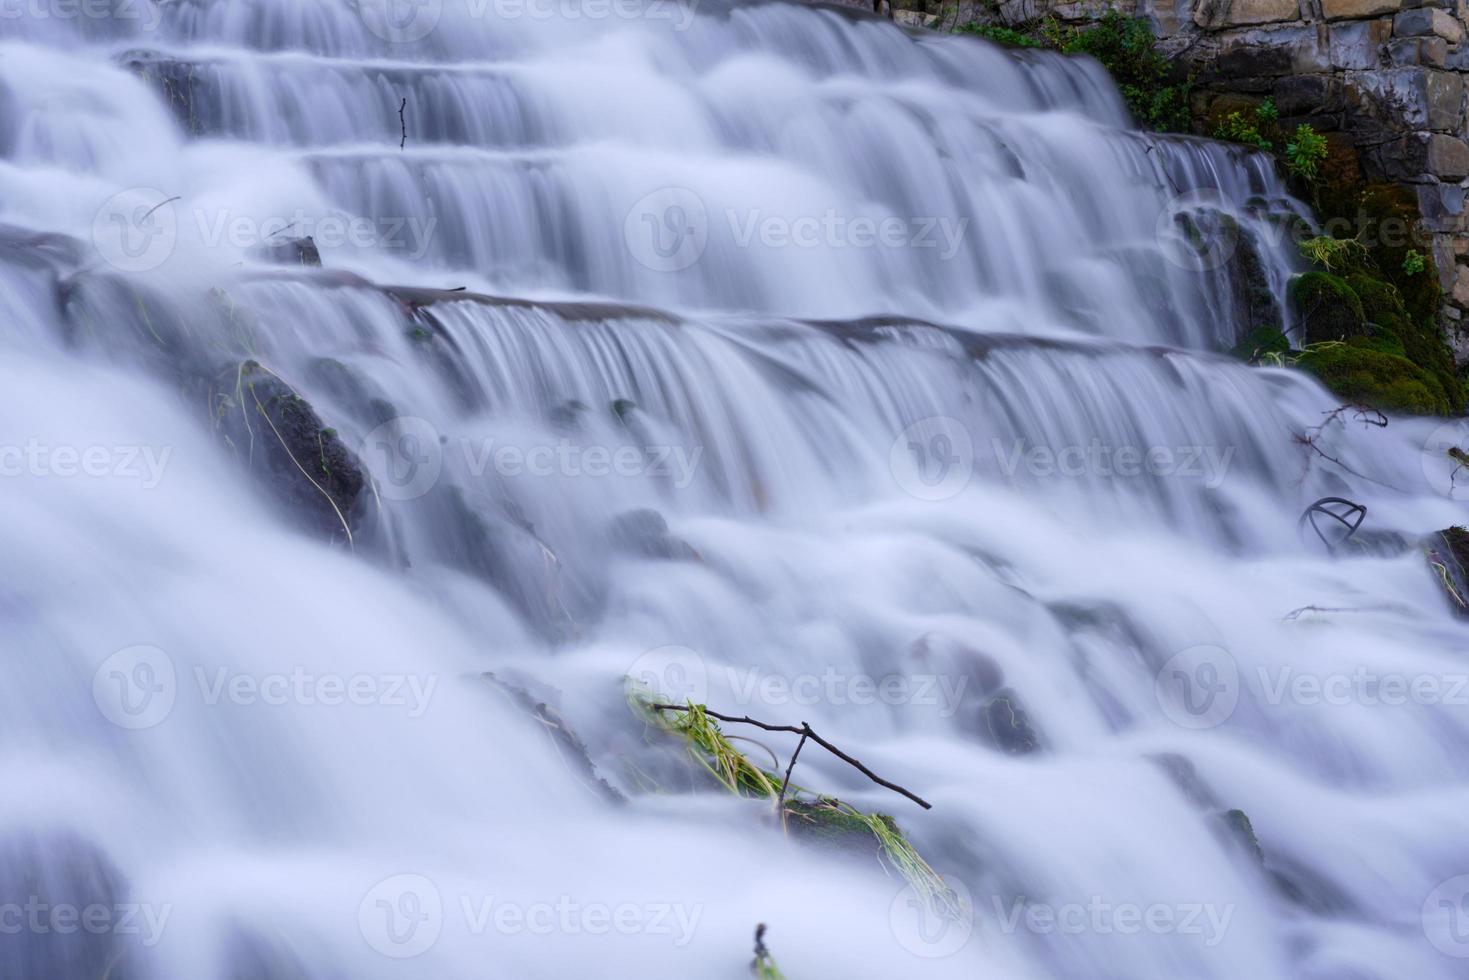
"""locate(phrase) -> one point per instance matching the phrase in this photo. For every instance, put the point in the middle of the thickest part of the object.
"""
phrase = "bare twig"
(780, 800)
(149, 213)
(805, 731)
(403, 123)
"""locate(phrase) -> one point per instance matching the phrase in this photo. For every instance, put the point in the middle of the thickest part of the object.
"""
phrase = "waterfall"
(812, 369)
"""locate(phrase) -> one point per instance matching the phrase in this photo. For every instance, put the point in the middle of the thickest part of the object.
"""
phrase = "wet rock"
(1238, 830)
(499, 546)
(1251, 298)
(282, 441)
(645, 533)
(826, 825)
(569, 746)
(291, 251)
(1008, 727)
(1447, 553)
(1185, 776)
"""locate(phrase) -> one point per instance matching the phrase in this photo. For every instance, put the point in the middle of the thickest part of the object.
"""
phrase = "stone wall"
(1385, 80)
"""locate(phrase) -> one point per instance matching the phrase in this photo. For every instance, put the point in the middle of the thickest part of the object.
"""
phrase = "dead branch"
(805, 731)
(403, 123)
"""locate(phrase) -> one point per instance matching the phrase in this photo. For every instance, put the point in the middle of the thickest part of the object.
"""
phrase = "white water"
(1057, 316)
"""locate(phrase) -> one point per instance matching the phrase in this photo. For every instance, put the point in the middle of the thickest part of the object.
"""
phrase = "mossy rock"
(1328, 307)
(827, 824)
(1383, 381)
(1261, 342)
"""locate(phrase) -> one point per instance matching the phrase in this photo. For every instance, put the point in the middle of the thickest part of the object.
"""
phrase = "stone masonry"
(1383, 79)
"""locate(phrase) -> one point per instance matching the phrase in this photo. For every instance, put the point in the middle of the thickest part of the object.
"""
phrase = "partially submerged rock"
(569, 746)
(1448, 557)
(645, 533)
(281, 439)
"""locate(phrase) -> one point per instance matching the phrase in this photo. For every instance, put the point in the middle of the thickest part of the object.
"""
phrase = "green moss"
(1262, 345)
(1328, 307)
(1006, 36)
(1372, 377)
(1150, 85)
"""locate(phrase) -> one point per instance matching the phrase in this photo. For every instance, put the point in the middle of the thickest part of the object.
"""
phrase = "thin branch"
(403, 123)
(780, 800)
(806, 732)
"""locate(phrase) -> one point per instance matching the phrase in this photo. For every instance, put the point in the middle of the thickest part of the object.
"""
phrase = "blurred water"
(913, 344)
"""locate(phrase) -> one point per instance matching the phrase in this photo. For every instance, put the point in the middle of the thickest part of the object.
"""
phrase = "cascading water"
(913, 345)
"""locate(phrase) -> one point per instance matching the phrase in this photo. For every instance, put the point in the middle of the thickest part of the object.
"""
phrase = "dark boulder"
(282, 441)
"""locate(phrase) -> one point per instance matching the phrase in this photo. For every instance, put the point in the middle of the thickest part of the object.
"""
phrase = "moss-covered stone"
(1261, 343)
(1329, 308)
(1383, 381)
(827, 824)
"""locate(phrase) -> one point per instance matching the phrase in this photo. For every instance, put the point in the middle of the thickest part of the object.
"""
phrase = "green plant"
(1126, 47)
(1128, 50)
(1005, 36)
(1266, 112)
(1413, 262)
(1235, 128)
(1305, 153)
(1332, 253)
